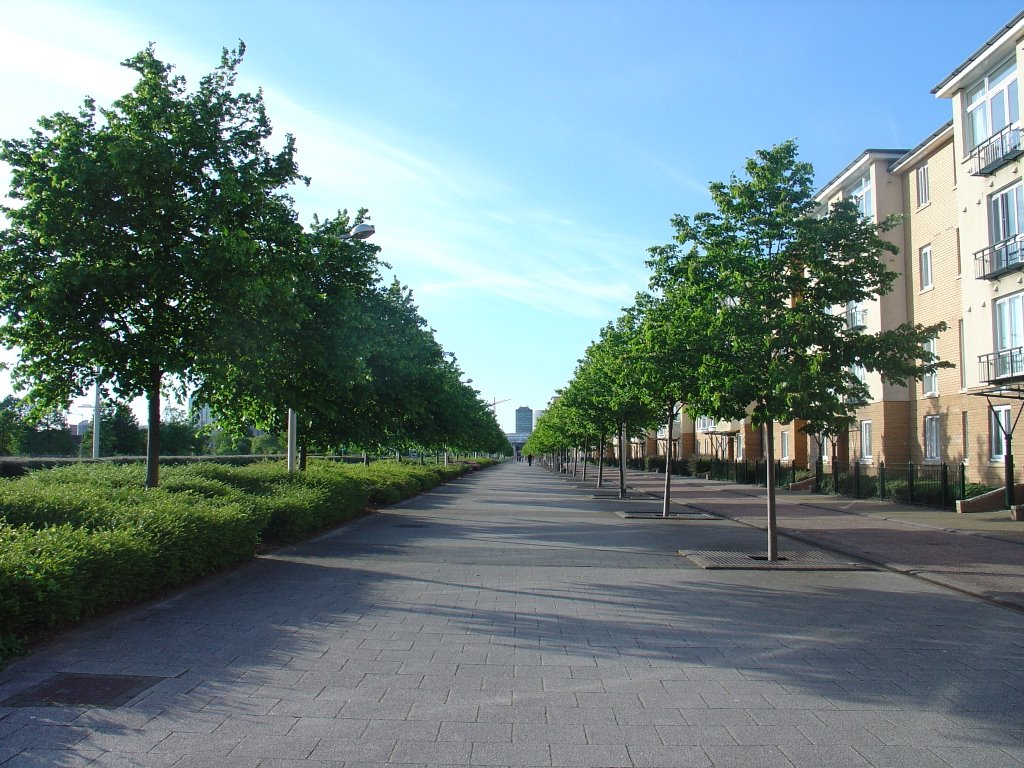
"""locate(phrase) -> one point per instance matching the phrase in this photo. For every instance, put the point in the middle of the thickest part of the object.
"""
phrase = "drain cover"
(81, 690)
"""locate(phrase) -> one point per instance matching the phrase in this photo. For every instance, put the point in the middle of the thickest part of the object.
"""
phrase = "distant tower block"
(524, 420)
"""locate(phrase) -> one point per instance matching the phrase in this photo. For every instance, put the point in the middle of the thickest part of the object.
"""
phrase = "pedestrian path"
(979, 553)
(511, 618)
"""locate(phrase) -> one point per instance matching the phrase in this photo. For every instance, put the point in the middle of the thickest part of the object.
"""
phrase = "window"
(739, 446)
(1009, 317)
(963, 356)
(930, 382)
(992, 104)
(865, 441)
(705, 424)
(861, 194)
(925, 262)
(931, 438)
(826, 449)
(999, 425)
(923, 195)
(1006, 213)
(959, 262)
(784, 440)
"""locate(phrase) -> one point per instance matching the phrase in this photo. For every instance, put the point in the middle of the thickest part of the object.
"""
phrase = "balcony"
(1004, 365)
(856, 318)
(991, 262)
(996, 151)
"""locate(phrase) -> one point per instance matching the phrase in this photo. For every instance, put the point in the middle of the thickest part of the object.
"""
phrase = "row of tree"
(741, 321)
(153, 247)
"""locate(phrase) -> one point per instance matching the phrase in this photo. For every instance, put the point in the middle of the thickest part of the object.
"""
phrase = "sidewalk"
(516, 618)
(981, 554)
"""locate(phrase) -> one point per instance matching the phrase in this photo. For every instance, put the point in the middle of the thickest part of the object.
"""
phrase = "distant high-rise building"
(537, 417)
(524, 420)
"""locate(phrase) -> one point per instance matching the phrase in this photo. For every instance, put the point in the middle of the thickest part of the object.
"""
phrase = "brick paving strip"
(510, 619)
(980, 554)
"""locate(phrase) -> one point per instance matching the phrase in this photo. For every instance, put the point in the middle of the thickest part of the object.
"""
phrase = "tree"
(763, 274)
(613, 385)
(667, 353)
(178, 435)
(145, 237)
(120, 433)
(12, 425)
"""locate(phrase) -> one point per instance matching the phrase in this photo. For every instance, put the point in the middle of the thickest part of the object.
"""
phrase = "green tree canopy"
(144, 235)
(762, 276)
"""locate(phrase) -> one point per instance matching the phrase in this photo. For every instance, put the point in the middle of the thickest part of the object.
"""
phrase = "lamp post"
(359, 232)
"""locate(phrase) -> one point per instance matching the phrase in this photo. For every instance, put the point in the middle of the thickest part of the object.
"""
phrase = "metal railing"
(856, 318)
(1004, 364)
(1001, 257)
(996, 151)
(929, 485)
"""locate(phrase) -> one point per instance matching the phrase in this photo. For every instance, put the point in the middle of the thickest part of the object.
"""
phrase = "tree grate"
(82, 690)
(671, 516)
(799, 560)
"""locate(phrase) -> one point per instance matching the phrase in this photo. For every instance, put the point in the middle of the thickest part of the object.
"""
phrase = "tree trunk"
(303, 452)
(668, 462)
(622, 461)
(586, 450)
(153, 438)
(773, 536)
(575, 461)
(600, 461)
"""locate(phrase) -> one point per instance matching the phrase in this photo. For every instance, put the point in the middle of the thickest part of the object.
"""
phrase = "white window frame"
(932, 448)
(826, 449)
(1008, 317)
(865, 440)
(739, 445)
(1006, 213)
(996, 92)
(930, 381)
(924, 261)
(784, 444)
(862, 193)
(923, 193)
(996, 439)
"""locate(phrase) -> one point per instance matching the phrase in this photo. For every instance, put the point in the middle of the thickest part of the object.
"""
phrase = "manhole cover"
(81, 690)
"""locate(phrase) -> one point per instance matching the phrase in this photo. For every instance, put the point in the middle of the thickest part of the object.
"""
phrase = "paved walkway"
(979, 553)
(512, 619)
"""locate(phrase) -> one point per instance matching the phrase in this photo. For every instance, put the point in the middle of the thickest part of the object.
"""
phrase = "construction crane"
(495, 403)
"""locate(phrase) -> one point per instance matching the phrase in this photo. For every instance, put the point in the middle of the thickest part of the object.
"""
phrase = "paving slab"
(512, 619)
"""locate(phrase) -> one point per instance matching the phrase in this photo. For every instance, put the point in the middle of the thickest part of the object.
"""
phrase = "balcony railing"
(993, 261)
(856, 318)
(1004, 364)
(996, 151)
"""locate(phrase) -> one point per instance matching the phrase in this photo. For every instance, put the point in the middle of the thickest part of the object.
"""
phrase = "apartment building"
(960, 198)
(986, 148)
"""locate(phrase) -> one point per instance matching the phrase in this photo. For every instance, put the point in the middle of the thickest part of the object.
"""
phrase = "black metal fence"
(931, 485)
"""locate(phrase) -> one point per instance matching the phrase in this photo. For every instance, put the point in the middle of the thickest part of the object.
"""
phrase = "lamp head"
(362, 231)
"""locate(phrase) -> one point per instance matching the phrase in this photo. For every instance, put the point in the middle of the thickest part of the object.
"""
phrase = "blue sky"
(519, 157)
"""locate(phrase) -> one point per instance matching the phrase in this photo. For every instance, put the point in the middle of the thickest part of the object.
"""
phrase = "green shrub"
(80, 539)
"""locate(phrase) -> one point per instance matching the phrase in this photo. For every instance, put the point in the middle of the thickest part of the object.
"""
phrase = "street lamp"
(360, 231)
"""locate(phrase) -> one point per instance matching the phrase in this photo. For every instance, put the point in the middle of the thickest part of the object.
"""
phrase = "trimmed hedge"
(79, 540)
